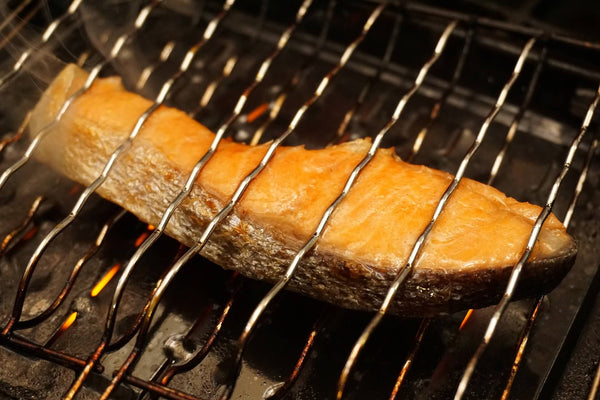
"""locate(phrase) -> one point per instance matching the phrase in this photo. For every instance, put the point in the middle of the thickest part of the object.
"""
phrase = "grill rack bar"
(163, 284)
(523, 339)
(524, 336)
(435, 110)
(163, 57)
(46, 36)
(232, 61)
(411, 356)
(19, 343)
(163, 391)
(580, 182)
(404, 273)
(277, 104)
(95, 71)
(501, 307)
(366, 89)
(415, 148)
(163, 375)
(162, 95)
(60, 298)
(512, 130)
(439, 48)
(165, 218)
(116, 49)
(495, 168)
(527, 31)
(10, 237)
(279, 391)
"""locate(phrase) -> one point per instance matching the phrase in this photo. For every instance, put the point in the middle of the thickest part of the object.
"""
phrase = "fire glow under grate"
(96, 304)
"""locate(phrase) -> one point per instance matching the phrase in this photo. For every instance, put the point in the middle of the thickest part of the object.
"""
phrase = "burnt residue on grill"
(189, 315)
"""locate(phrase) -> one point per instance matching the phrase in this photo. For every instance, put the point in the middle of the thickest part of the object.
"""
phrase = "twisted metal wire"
(276, 105)
(171, 367)
(280, 390)
(17, 135)
(416, 147)
(116, 49)
(524, 336)
(436, 109)
(410, 358)
(149, 241)
(232, 61)
(60, 298)
(10, 237)
(170, 275)
(45, 130)
(46, 36)
(163, 57)
(523, 339)
(512, 130)
(494, 171)
(580, 183)
(21, 129)
(185, 64)
(366, 89)
(514, 277)
(439, 48)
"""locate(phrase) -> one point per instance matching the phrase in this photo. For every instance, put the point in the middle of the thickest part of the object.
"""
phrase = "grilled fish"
(464, 264)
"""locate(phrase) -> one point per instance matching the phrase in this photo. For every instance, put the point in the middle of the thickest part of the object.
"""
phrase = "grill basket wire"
(157, 385)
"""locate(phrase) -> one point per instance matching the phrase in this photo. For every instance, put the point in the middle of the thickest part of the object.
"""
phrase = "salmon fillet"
(464, 264)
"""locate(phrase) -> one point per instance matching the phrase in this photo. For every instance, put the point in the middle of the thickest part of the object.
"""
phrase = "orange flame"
(68, 322)
(151, 227)
(104, 281)
(465, 319)
(141, 239)
(257, 112)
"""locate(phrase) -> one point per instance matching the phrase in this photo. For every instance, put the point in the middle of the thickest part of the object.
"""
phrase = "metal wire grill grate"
(536, 56)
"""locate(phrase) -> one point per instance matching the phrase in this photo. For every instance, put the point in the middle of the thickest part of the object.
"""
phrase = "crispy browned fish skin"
(465, 264)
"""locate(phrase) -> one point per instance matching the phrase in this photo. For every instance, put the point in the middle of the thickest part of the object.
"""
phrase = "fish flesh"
(465, 263)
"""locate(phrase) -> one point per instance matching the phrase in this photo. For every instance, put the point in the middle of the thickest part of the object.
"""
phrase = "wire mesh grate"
(265, 101)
